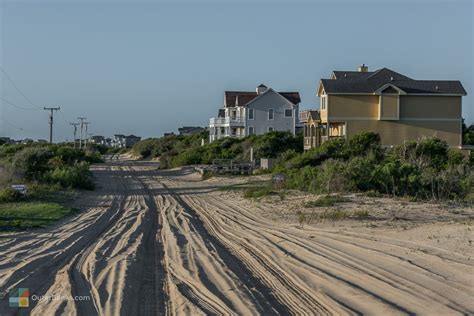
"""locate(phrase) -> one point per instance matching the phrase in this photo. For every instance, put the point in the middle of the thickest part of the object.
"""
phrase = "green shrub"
(10, 195)
(361, 214)
(258, 192)
(304, 179)
(325, 201)
(364, 144)
(373, 194)
(333, 177)
(455, 157)
(32, 162)
(333, 215)
(76, 176)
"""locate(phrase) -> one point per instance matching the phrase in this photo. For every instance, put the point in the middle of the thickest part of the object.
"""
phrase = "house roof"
(370, 82)
(242, 98)
(306, 115)
(314, 115)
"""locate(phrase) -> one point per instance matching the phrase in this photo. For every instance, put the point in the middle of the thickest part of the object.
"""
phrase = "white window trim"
(291, 113)
(248, 130)
(273, 114)
(268, 129)
(248, 115)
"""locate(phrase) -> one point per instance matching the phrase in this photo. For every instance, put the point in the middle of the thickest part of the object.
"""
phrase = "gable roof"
(309, 115)
(370, 83)
(242, 98)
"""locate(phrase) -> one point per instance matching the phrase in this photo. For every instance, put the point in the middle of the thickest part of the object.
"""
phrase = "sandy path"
(161, 242)
(331, 271)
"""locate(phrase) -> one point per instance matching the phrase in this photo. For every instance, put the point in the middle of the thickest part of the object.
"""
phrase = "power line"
(17, 89)
(18, 106)
(15, 126)
(51, 116)
(82, 127)
(75, 132)
(86, 124)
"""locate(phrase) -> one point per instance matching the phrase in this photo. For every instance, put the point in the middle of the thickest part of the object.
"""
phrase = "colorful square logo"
(19, 297)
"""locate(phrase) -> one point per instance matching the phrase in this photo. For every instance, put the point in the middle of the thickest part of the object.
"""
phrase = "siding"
(363, 106)
(261, 122)
(396, 132)
(430, 107)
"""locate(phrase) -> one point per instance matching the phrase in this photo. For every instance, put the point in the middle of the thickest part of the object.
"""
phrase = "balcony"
(227, 121)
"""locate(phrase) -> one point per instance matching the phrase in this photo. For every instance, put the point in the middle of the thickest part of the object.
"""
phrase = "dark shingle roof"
(351, 74)
(244, 97)
(369, 82)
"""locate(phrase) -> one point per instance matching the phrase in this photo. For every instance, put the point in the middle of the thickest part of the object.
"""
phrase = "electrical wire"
(17, 89)
(18, 106)
(15, 126)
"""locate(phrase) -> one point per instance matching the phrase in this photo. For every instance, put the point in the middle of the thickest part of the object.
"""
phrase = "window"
(251, 130)
(251, 114)
(288, 112)
(323, 103)
(270, 114)
(270, 129)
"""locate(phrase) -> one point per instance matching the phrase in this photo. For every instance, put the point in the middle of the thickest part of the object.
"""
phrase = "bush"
(333, 177)
(10, 195)
(333, 215)
(361, 214)
(32, 162)
(426, 169)
(324, 201)
(258, 192)
(75, 176)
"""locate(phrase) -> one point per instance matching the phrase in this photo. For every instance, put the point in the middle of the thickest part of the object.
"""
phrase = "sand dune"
(155, 242)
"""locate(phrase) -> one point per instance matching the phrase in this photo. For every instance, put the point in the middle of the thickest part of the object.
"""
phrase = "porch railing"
(226, 120)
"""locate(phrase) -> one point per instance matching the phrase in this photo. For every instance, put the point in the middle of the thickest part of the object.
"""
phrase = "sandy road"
(162, 242)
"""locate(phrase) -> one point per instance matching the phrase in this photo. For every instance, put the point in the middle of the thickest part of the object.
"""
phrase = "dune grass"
(326, 200)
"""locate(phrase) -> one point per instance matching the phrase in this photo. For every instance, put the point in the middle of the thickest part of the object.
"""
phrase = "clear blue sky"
(146, 68)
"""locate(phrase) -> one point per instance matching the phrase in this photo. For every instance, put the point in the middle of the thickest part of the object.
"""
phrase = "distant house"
(393, 105)
(97, 139)
(247, 113)
(168, 134)
(311, 132)
(122, 141)
(6, 140)
(190, 130)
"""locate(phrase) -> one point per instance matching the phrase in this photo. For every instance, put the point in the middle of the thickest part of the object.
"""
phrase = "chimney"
(363, 68)
(261, 89)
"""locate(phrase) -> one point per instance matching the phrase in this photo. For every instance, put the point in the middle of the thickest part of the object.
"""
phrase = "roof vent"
(345, 75)
(437, 88)
(363, 68)
(391, 78)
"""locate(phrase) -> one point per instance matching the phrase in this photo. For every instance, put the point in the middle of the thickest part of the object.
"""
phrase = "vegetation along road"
(153, 241)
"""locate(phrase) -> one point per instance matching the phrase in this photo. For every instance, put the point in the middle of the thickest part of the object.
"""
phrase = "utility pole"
(51, 121)
(75, 132)
(86, 124)
(82, 126)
